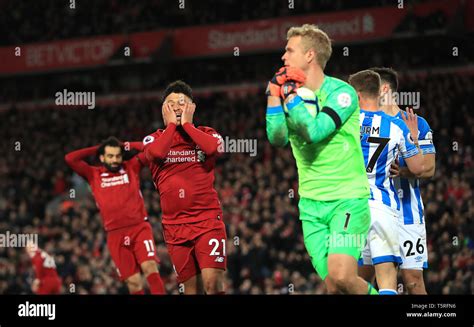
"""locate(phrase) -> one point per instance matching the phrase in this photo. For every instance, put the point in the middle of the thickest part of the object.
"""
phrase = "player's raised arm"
(427, 147)
(133, 146)
(75, 160)
(140, 156)
(340, 105)
(416, 164)
(430, 165)
(409, 147)
(425, 141)
(208, 143)
(157, 149)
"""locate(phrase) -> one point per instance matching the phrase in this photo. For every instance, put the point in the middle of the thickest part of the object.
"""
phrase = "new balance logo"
(219, 259)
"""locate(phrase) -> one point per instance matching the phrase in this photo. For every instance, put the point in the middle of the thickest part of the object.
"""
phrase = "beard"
(111, 168)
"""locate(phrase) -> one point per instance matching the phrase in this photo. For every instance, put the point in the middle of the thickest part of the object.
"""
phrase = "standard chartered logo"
(201, 156)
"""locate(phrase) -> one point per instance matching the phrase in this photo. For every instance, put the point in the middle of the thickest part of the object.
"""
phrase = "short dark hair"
(367, 82)
(388, 75)
(110, 141)
(178, 87)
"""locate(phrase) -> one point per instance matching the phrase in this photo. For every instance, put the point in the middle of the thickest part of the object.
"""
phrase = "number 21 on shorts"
(215, 247)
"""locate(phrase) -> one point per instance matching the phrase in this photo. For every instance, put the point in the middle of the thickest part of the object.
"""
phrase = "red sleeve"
(139, 160)
(157, 149)
(133, 145)
(207, 139)
(141, 157)
(75, 160)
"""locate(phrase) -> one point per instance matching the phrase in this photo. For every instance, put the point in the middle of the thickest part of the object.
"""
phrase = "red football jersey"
(44, 265)
(185, 176)
(117, 195)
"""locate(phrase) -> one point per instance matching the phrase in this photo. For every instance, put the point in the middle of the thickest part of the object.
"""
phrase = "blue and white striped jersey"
(408, 190)
(383, 139)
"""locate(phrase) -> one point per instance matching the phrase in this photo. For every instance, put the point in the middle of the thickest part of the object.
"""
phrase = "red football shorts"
(195, 246)
(49, 285)
(131, 246)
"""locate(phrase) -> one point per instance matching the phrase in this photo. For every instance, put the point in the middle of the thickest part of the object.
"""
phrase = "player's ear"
(186, 98)
(310, 55)
(101, 158)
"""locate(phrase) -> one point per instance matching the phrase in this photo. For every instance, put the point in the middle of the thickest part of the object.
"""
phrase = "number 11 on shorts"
(150, 248)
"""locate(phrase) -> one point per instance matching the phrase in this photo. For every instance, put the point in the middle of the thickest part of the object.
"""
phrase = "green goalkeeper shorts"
(338, 226)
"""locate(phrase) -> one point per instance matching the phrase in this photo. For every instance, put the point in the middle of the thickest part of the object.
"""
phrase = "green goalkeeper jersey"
(326, 148)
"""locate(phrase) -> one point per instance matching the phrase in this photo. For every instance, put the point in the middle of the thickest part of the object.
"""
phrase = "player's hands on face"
(188, 113)
(395, 169)
(169, 116)
(411, 119)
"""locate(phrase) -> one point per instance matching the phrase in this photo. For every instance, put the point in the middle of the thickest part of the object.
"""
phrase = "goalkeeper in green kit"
(333, 185)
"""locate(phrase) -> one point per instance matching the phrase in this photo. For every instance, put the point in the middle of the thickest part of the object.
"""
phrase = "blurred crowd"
(266, 254)
(418, 53)
(33, 21)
